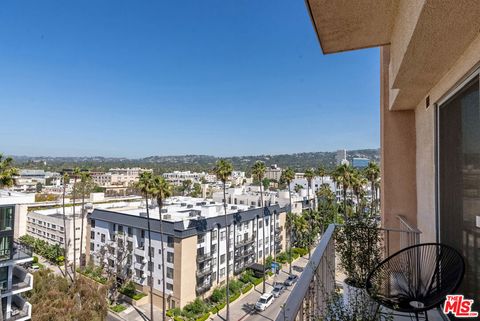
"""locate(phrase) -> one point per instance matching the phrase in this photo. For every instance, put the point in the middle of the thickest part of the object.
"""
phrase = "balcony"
(139, 279)
(21, 309)
(203, 287)
(308, 299)
(244, 242)
(202, 257)
(21, 253)
(204, 272)
(139, 265)
(140, 250)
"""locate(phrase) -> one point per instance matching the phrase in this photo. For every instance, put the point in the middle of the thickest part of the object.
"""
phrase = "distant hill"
(297, 161)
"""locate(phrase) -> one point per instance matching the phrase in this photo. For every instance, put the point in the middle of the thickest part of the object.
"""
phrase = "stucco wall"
(425, 126)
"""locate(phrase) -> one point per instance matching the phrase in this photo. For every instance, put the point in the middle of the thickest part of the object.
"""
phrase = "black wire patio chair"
(417, 278)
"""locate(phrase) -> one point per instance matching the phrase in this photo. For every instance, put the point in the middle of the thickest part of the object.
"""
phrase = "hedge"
(256, 281)
(118, 308)
(247, 288)
(204, 317)
(234, 297)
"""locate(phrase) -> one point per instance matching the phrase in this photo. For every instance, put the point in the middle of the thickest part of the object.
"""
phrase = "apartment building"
(14, 279)
(194, 239)
(178, 177)
(273, 172)
(250, 195)
(48, 225)
(118, 176)
(429, 112)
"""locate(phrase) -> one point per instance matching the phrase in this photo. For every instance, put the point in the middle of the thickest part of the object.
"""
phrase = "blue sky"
(140, 78)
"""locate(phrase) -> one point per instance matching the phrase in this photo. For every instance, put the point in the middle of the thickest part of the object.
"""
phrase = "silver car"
(278, 289)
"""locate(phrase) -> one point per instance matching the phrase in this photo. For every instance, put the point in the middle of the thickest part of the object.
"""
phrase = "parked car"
(264, 301)
(291, 280)
(278, 289)
(298, 268)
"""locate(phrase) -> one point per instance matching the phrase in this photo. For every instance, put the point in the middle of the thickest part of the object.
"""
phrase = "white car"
(264, 301)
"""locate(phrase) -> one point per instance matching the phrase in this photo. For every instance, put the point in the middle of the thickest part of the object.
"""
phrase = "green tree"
(258, 172)
(321, 172)
(65, 180)
(54, 299)
(372, 173)
(161, 190)
(145, 185)
(7, 172)
(342, 176)
(186, 186)
(288, 176)
(86, 186)
(223, 170)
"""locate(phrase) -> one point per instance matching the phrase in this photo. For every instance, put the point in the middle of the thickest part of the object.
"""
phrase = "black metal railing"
(201, 257)
(245, 242)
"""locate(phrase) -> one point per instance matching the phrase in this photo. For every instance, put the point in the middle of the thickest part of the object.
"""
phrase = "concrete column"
(398, 157)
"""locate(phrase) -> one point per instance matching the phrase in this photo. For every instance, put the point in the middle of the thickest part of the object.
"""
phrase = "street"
(244, 308)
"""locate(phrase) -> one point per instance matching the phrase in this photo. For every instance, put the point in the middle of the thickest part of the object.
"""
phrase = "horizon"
(186, 155)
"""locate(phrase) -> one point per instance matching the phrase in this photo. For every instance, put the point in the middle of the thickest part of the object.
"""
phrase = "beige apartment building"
(194, 232)
(430, 111)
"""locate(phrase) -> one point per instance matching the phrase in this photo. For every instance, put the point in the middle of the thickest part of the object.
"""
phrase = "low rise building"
(273, 172)
(193, 235)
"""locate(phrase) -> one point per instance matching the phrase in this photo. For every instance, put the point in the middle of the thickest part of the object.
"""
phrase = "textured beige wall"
(398, 190)
(185, 262)
(425, 124)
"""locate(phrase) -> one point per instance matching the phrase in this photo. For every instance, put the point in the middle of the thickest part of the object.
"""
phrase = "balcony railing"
(245, 242)
(205, 271)
(204, 257)
(203, 287)
(21, 252)
(309, 297)
(21, 309)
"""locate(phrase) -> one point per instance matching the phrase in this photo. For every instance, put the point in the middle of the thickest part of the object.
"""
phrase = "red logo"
(459, 306)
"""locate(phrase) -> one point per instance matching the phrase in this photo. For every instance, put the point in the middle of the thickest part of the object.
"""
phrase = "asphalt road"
(244, 308)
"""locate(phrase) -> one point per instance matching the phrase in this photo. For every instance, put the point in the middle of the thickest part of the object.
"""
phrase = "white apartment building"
(250, 196)
(48, 225)
(118, 176)
(194, 239)
(178, 177)
(14, 279)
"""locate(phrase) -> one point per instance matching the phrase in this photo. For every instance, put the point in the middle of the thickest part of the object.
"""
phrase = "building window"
(222, 272)
(222, 235)
(151, 251)
(92, 223)
(159, 266)
(170, 241)
(169, 257)
(222, 258)
(103, 238)
(260, 224)
(6, 218)
(92, 247)
(150, 266)
(170, 288)
(214, 235)
(169, 273)
(92, 235)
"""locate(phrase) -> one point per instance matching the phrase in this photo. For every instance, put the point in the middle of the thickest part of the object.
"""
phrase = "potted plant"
(358, 243)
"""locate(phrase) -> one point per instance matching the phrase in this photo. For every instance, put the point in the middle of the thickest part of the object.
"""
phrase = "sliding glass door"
(459, 180)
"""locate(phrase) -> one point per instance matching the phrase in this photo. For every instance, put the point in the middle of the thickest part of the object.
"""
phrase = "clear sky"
(141, 78)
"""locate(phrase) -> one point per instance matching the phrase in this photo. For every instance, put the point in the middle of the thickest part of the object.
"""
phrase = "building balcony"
(21, 253)
(279, 229)
(139, 265)
(21, 310)
(140, 250)
(203, 287)
(22, 281)
(245, 242)
(322, 270)
(204, 257)
(139, 279)
(204, 272)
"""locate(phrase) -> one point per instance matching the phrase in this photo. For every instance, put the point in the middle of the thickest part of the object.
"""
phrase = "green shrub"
(256, 281)
(173, 312)
(177, 318)
(198, 306)
(235, 286)
(234, 297)
(204, 317)
(118, 308)
(220, 306)
(217, 295)
(247, 288)
(35, 259)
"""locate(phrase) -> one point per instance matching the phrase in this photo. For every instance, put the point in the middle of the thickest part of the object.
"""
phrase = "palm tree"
(76, 174)
(258, 172)
(65, 179)
(321, 172)
(342, 175)
(309, 175)
(223, 170)
(7, 172)
(358, 182)
(287, 176)
(85, 182)
(145, 185)
(161, 190)
(372, 173)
